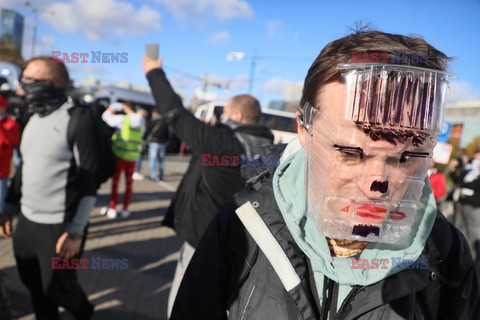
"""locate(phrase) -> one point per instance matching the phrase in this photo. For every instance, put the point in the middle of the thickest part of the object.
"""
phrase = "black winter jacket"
(156, 131)
(205, 186)
(230, 272)
(473, 186)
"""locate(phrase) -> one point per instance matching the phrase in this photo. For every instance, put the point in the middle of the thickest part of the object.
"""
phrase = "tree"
(9, 53)
(473, 147)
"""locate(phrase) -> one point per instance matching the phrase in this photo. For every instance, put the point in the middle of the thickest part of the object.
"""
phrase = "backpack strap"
(154, 131)
(73, 127)
(269, 245)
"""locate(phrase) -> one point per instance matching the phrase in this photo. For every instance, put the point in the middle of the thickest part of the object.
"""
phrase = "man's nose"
(374, 181)
(19, 91)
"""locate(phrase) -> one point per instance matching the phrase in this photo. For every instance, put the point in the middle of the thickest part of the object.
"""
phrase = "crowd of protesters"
(465, 194)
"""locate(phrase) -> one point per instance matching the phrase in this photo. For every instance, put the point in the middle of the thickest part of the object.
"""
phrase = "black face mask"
(226, 121)
(43, 97)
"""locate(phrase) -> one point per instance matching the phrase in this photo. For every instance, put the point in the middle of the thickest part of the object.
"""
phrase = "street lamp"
(35, 12)
(238, 55)
(235, 55)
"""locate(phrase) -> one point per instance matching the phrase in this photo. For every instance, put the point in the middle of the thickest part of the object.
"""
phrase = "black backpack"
(104, 133)
(258, 154)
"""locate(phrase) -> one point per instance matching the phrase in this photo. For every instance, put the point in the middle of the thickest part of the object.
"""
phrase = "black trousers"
(34, 247)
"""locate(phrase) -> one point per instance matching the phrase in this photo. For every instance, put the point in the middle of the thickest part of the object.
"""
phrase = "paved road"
(138, 292)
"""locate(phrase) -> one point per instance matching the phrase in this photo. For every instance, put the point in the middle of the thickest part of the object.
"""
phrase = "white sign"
(442, 152)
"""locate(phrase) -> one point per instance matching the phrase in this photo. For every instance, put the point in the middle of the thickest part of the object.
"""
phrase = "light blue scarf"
(289, 190)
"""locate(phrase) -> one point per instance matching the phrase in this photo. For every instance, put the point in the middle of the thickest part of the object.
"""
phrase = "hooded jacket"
(213, 174)
(9, 139)
(56, 169)
(468, 183)
(270, 277)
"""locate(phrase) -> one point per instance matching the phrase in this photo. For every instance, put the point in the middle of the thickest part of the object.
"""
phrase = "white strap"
(269, 246)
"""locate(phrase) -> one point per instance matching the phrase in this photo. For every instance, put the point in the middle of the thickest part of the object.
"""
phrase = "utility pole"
(238, 55)
(35, 12)
(252, 71)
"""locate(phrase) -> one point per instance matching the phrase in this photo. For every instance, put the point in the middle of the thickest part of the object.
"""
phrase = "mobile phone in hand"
(151, 50)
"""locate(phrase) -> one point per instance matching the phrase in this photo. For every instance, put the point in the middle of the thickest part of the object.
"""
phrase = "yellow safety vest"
(127, 144)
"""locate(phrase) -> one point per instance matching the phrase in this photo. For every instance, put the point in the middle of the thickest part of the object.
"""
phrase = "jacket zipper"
(330, 298)
(419, 312)
(326, 298)
(341, 312)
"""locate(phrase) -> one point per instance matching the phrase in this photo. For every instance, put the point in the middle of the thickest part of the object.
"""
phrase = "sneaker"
(103, 211)
(138, 176)
(125, 213)
(111, 213)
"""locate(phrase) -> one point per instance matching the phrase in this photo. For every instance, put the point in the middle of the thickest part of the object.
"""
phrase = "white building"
(466, 114)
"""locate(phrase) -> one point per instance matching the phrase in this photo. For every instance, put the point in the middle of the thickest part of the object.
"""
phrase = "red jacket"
(439, 185)
(9, 138)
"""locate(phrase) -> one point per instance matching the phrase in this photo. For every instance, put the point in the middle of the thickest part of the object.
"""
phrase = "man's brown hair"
(57, 67)
(323, 69)
(249, 106)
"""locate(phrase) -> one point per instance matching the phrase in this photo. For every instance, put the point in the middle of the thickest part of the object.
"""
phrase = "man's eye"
(411, 155)
(348, 155)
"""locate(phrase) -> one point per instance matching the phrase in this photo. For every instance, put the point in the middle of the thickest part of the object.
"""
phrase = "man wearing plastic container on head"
(347, 227)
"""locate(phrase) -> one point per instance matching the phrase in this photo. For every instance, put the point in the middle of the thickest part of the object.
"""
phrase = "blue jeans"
(3, 192)
(138, 163)
(156, 151)
(16, 158)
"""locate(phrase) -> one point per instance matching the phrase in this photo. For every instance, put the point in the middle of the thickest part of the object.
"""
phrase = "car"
(106, 95)
(282, 123)
(9, 76)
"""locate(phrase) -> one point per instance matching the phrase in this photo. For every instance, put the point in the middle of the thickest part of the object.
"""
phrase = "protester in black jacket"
(230, 272)
(467, 206)
(213, 174)
(156, 135)
(54, 190)
(346, 227)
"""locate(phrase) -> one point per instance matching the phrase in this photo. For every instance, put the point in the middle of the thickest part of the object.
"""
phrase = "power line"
(206, 82)
(183, 72)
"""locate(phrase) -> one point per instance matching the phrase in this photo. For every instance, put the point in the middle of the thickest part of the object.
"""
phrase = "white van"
(106, 95)
(282, 123)
(210, 111)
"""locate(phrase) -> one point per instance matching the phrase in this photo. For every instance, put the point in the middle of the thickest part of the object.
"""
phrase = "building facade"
(464, 117)
(11, 28)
